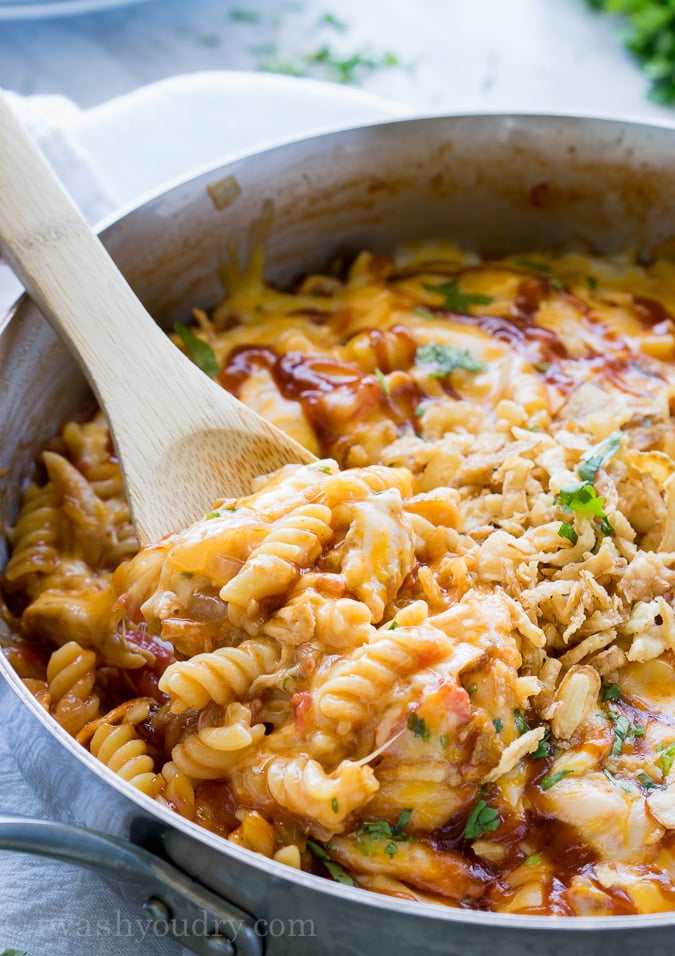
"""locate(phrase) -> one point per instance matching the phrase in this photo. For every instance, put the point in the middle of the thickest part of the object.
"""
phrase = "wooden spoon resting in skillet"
(182, 440)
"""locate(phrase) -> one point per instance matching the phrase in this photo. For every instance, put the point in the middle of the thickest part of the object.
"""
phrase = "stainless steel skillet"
(497, 183)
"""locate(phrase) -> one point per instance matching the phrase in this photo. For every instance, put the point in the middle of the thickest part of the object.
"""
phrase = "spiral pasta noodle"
(302, 786)
(71, 675)
(126, 754)
(213, 751)
(219, 675)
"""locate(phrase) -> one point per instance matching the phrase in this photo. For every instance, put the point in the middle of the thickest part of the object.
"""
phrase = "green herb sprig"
(482, 819)
(338, 872)
(585, 501)
(199, 351)
(446, 359)
(454, 300)
(650, 36)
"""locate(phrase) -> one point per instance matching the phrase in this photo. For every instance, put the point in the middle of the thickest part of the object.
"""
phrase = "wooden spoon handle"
(183, 441)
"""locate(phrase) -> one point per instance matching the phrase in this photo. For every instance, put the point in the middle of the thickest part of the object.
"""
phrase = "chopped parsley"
(584, 499)
(532, 860)
(482, 819)
(598, 456)
(498, 724)
(444, 740)
(621, 784)
(187, 575)
(199, 351)
(374, 830)
(384, 384)
(471, 689)
(330, 20)
(665, 761)
(418, 727)
(326, 64)
(446, 359)
(520, 722)
(212, 514)
(335, 806)
(623, 731)
(244, 16)
(543, 747)
(425, 313)
(338, 872)
(566, 530)
(393, 625)
(650, 784)
(610, 692)
(456, 301)
(539, 267)
(547, 782)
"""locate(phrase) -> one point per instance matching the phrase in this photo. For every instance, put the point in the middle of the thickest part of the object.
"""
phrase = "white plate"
(34, 9)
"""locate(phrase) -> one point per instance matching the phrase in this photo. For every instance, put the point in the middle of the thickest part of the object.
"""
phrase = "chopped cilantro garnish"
(373, 830)
(543, 748)
(547, 782)
(444, 740)
(471, 689)
(520, 722)
(566, 530)
(623, 731)
(665, 761)
(338, 872)
(231, 508)
(393, 625)
(584, 499)
(650, 784)
(481, 820)
(446, 359)
(335, 806)
(199, 351)
(244, 16)
(539, 267)
(212, 514)
(621, 784)
(330, 20)
(425, 313)
(532, 860)
(418, 727)
(456, 301)
(498, 724)
(598, 456)
(384, 384)
(610, 692)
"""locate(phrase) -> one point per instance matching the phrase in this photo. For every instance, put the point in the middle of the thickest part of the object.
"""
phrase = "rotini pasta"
(436, 663)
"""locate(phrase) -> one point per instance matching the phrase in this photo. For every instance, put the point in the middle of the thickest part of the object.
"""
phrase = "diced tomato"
(146, 678)
(302, 701)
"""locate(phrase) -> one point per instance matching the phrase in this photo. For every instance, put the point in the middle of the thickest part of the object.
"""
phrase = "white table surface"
(459, 55)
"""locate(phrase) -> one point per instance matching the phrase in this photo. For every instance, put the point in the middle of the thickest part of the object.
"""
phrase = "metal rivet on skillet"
(157, 909)
(220, 946)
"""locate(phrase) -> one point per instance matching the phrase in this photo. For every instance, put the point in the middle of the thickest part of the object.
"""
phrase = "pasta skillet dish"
(438, 663)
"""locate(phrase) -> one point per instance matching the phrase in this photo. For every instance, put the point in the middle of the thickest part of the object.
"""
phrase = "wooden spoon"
(182, 440)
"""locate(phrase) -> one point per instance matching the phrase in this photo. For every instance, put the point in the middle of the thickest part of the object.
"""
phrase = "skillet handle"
(196, 917)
